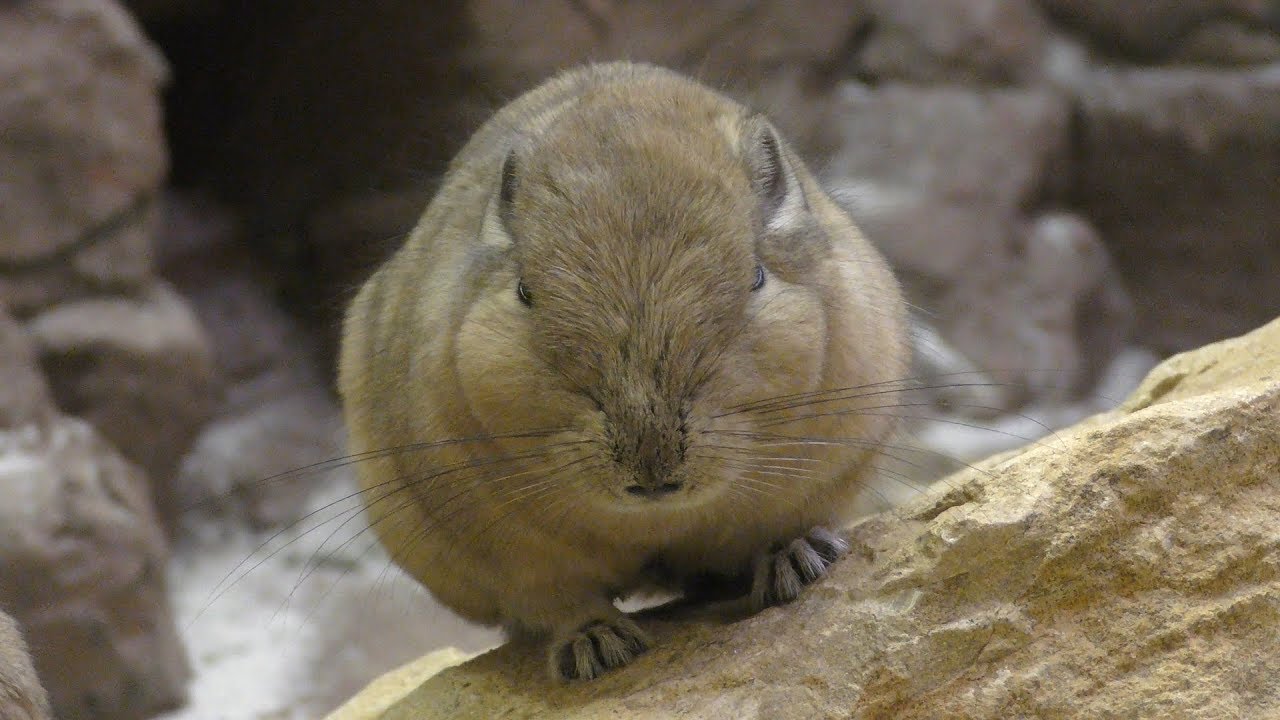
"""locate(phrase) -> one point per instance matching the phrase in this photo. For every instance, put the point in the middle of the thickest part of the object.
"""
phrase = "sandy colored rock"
(391, 687)
(82, 152)
(21, 696)
(82, 560)
(1124, 568)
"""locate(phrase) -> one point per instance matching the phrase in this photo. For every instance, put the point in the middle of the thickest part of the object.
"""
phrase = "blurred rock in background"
(1069, 189)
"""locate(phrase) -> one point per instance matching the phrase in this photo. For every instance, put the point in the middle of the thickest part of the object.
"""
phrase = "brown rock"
(234, 466)
(943, 180)
(21, 695)
(274, 411)
(1228, 43)
(730, 39)
(1179, 169)
(989, 149)
(1125, 568)
(957, 41)
(24, 396)
(82, 561)
(1048, 311)
(140, 370)
(1150, 29)
(81, 151)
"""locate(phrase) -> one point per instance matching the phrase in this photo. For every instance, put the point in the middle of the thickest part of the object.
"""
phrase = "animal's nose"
(654, 490)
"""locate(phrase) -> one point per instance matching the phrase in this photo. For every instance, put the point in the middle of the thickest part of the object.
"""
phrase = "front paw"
(781, 573)
(597, 646)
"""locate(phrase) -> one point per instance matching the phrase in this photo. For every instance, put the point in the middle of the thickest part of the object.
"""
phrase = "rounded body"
(630, 341)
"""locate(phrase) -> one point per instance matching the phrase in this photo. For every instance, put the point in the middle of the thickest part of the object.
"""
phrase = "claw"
(596, 647)
(780, 574)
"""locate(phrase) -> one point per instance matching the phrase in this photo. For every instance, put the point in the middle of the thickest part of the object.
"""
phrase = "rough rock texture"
(82, 158)
(82, 560)
(733, 41)
(81, 151)
(273, 411)
(21, 695)
(139, 369)
(1180, 171)
(1128, 567)
(24, 395)
(1156, 28)
(383, 692)
(1228, 43)
(995, 41)
(947, 182)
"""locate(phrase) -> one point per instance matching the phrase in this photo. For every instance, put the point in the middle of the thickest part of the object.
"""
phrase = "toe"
(829, 545)
(597, 647)
(780, 574)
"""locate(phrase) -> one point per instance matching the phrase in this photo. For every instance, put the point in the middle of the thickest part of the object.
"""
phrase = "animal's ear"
(782, 202)
(507, 188)
(496, 230)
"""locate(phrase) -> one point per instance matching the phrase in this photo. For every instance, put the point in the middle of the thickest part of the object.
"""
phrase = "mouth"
(654, 491)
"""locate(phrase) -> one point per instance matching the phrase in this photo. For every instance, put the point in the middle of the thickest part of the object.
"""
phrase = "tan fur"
(636, 225)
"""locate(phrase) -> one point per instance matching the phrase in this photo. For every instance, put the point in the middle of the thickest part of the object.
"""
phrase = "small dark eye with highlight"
(759, 282)
(522, 292)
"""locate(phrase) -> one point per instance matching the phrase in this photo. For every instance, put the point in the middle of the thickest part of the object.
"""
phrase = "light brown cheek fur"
(787, 342)
(504, 386)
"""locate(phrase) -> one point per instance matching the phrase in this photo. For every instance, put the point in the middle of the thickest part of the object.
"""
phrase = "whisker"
(759, 405)
(346, 460)
(777, 440)
(862, 412)
(401, 483)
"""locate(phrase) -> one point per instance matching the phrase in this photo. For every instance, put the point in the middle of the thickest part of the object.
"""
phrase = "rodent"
(617, 352)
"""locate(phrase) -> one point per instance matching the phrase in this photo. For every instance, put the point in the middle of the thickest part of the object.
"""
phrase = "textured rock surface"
(21, 695)
(82, 562)
(1180, 171)
(24, 395)
(139, 369)
(946, 181)
(1128, 567)
(81, 151)
(272, 411)
(1155, 28)
(995, 41)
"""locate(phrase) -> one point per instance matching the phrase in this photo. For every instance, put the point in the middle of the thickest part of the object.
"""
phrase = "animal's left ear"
(782, 202)
(507, 188)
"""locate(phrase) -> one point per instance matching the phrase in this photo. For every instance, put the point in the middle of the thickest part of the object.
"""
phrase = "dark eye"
(759, 283)
(522, 292)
